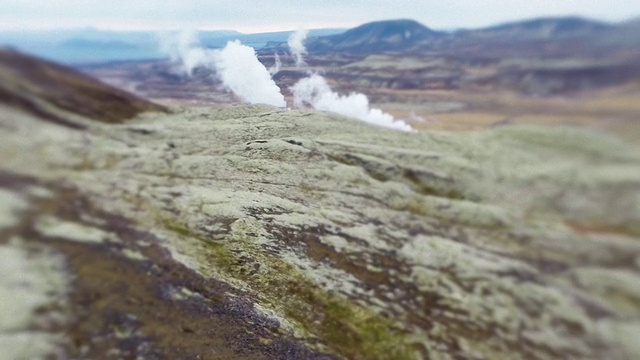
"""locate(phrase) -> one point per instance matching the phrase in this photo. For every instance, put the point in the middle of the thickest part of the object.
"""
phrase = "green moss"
(452, 211)
(307, 188)
(417, 207)
(436, 187)
(315, 192)
(352, 331)
(178, 229)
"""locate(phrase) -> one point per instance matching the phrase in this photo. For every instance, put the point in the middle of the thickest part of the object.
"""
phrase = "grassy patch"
(347, 329)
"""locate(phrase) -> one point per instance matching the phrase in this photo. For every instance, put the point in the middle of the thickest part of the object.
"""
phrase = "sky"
(274, 15)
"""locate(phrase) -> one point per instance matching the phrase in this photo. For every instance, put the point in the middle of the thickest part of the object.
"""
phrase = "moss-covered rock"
(364, 243)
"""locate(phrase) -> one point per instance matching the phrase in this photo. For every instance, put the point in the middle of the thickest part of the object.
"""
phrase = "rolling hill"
(54, 92)
(391, 35)
(537, 35)
(542, 28)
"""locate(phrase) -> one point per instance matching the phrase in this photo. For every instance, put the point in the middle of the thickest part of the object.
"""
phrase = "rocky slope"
(249, 232)
(58, 94)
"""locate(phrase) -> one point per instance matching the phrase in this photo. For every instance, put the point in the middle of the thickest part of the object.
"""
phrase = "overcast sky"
(270, 15)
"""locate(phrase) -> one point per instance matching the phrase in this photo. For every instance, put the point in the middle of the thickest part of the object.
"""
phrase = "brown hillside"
(45, 89)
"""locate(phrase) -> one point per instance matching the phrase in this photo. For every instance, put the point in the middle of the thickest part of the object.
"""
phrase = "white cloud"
(287, 14)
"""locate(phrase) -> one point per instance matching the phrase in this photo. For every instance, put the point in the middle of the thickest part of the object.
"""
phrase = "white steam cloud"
(296, 46)
(183, 49)
(276, 66)
(239, 69)
(242, 72)
(314, 91)
(236, 65)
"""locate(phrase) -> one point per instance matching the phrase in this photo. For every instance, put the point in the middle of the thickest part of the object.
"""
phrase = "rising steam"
(236, 65)
(184, 50)
(296, 46)
(239, 69)
(277, 65)
(314, 91)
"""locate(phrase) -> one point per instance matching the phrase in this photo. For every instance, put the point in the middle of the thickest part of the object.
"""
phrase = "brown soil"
(65, 89)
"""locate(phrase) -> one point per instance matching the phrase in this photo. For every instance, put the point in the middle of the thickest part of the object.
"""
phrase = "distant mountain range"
(376, 36)
(88, 45)
(543, 28)
(408, 35)
(538, 57)
(568, 34)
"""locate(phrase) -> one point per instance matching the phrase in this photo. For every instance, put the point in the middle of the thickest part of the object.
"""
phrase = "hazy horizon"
(282, 15)
(282, 30)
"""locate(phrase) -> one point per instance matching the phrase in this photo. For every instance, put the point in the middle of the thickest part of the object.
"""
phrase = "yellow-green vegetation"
(315, 192)
(453, 211)
(349, 330)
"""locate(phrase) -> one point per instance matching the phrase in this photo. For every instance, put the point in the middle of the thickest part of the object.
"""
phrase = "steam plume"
(314, 91)
(183, 49)
(236, 65)
(296, 46)
(239, 69)
(276, 66)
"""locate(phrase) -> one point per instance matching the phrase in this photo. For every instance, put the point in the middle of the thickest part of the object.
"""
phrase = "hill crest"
(399, 34)
(53, 92)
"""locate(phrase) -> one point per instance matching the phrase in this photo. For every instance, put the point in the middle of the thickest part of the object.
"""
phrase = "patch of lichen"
(345, 328)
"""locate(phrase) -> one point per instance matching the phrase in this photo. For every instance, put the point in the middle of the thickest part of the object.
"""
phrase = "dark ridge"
(375, 37)
(34, 108)
(547, 28)
(40, 87)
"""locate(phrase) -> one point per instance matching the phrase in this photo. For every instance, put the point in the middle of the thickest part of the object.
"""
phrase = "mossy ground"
(437, 246)
(329, 319)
